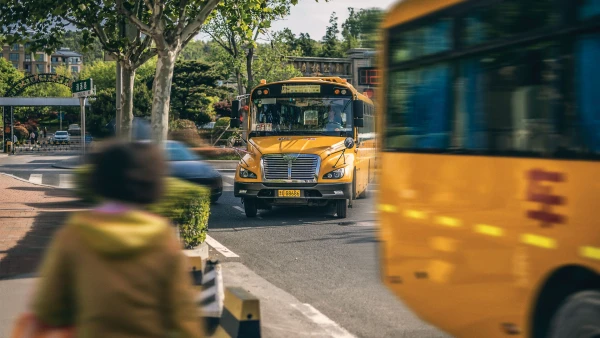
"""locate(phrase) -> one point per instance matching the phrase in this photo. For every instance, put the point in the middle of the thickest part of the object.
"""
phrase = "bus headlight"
(244, 173)
(334, 175)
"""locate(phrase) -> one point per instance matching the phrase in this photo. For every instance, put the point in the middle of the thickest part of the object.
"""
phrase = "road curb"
(223, 164)
(28, 181)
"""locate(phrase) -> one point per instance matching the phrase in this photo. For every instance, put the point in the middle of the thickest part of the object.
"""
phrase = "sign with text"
(82, 88)
(300, 89)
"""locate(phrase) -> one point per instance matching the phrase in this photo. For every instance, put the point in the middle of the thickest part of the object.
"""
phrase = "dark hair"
(129, 172)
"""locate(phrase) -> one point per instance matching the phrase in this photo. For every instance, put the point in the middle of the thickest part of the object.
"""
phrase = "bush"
(21, 132)
(182, 124)
(187, 205)
(213, 153)
(222, 123)
(188, 136)
(186, 131)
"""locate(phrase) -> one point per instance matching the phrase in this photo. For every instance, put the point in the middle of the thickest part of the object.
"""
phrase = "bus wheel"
(341, 208)
(250, 207)
(579, 316)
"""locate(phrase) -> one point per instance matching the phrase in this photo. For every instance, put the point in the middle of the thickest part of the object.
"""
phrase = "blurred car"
(88, 138)
(209, 125)
(61, 136)
(74, 129)
(186, 165)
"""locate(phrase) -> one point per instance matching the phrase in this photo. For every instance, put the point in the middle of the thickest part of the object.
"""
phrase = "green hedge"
(187, 205)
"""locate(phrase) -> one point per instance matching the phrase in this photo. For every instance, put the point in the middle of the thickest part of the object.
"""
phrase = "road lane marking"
(35, 178)
(220, 247)
(326, 324)
(227, 184)
(65, 181)
(237, 207)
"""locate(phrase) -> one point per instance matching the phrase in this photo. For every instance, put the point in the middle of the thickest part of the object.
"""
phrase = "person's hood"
(119, 234)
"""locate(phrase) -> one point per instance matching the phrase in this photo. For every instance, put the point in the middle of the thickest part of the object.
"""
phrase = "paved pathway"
(29, 216)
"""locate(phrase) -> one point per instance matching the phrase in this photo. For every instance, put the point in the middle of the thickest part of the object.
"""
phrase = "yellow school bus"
(489, 184)
(311, 142)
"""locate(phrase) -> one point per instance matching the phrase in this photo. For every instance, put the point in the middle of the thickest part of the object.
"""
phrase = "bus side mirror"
(359, 123)
(235, 114)
(359, 109)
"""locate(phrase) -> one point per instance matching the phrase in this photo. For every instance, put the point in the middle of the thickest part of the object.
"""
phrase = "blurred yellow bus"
(489, 182)
(311, 142)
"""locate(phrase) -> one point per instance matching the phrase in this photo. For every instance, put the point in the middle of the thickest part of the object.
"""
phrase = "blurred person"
(118, 270)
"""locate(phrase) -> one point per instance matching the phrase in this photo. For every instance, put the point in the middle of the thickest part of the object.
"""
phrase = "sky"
(312, 17)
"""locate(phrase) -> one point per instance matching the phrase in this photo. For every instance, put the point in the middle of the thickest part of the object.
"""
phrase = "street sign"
(82, 88)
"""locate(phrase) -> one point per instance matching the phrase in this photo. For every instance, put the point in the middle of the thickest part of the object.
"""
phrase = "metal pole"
(12, 129)
(119, 88)
(82, 106)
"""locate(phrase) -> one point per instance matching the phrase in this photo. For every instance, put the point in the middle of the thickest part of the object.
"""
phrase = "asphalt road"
(327, 263)
(321, 260)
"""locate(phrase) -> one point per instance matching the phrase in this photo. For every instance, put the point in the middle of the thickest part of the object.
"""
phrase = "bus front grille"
(296, 167)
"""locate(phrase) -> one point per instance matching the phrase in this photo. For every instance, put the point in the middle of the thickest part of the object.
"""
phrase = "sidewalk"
(29, 216)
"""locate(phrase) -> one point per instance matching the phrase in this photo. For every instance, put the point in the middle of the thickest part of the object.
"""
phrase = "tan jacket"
(117, 275)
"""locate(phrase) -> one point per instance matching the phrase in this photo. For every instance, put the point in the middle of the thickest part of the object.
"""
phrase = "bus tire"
(578, 316)
(341, 208)
(250, 207)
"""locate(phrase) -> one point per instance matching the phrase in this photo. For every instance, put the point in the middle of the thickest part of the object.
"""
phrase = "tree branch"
(149, 5)
(104, 40)
(194, 27)
(146, 55)
(182, 11)
(133, 19)
(221, 43)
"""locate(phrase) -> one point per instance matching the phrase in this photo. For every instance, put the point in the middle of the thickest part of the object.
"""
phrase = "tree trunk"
(249, 61)
(161, 91)
(240, 84)
(127, 102)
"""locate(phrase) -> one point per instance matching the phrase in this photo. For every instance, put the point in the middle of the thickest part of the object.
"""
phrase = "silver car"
(61, 137)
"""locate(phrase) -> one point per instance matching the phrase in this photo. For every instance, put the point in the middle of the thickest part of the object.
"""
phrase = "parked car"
(186, 165)
(209, 125)
(61, 136)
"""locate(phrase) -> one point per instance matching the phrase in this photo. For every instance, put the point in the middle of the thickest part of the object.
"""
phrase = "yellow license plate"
(288, 193)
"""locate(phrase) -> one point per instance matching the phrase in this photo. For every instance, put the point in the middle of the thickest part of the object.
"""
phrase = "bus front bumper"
(322, 191)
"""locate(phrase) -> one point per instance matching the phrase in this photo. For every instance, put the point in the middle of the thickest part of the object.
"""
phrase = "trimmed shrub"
(213, 153)
(186, 204)
(186, 131)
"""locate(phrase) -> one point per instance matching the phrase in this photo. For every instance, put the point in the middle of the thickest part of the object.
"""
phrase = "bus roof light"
(263, 81)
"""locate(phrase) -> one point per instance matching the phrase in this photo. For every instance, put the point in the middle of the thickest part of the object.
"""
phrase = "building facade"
(40, 62)
(358, 68)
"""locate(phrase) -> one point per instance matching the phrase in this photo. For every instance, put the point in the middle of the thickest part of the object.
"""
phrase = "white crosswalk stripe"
(35, 178)
(65, 181)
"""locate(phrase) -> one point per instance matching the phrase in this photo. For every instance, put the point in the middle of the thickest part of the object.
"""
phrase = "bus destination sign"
(301, 89)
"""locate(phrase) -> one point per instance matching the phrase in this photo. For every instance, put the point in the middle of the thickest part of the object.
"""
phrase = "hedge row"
(187, 205)
(215, 153)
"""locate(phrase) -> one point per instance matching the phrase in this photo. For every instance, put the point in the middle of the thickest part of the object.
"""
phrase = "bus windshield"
(302, 116)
